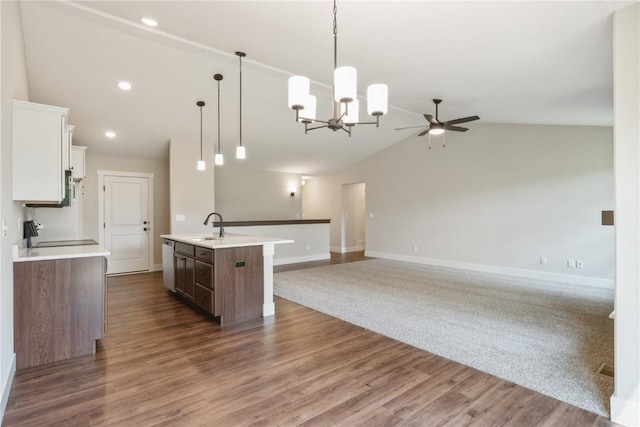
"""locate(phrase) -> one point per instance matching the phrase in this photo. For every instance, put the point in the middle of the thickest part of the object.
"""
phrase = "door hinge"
(104, 225)
(104, 188)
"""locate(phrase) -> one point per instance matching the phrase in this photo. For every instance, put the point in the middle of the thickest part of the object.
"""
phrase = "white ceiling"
(508, 62)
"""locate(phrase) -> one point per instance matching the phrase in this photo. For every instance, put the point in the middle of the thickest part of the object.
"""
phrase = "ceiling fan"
(436, 127)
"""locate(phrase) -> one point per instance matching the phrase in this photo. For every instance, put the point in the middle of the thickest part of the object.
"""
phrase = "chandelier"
(345, 96)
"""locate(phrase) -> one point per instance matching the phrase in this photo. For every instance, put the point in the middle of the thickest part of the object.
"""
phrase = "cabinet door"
(181, 270)
(190, 278)
(185, 276)
(77, 162)
(37, 146)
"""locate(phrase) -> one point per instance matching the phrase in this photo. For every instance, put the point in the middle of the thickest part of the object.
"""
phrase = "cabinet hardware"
(239, 263)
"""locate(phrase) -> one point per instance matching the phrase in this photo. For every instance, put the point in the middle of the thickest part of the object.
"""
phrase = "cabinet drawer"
(204, 254)
(204, 298)
(204, 274)
(184, 248)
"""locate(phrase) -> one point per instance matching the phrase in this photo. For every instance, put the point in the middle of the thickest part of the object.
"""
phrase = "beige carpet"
(546, 336)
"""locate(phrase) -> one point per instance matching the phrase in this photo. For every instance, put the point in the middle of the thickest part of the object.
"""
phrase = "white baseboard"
(347, 249)
(594, 282)
(4, 399)
(625, 412)
(306, 258)
(156, 267)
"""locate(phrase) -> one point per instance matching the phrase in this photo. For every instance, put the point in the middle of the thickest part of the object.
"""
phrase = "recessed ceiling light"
(124, 85)
(110, 134)
(149, 21)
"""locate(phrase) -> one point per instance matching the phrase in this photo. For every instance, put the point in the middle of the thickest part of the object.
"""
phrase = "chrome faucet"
(206, 222)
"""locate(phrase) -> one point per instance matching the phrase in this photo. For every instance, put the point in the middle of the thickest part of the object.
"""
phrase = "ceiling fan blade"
(409, 127)
(431, 119)
(462, 120)
(424, 132)
(455, 128)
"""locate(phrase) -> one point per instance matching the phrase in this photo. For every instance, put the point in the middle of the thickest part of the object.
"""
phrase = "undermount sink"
(200, 239)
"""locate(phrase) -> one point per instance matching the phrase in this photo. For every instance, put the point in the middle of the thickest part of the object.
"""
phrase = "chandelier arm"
(317, 127)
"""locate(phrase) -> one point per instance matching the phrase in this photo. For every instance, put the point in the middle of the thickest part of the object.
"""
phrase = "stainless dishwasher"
(168, 268)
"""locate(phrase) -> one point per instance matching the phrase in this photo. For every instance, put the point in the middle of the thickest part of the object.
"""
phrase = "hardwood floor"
(164, 364)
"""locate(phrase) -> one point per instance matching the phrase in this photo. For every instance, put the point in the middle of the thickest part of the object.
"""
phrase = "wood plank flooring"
(164, 364)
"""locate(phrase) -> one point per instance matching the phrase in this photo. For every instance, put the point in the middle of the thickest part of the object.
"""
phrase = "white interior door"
(126, 223)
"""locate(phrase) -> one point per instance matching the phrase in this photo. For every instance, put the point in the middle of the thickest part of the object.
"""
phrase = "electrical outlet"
(571, 263)
(543, 260)
(579, 263)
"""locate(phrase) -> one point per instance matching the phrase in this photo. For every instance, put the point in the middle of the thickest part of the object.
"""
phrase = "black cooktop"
(67, 243)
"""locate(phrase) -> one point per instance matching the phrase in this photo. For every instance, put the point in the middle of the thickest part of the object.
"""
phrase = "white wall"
(497, 198)
(353, 218)
(191, 191)
(244, 194)
(625, 402)
(160, 170)
(14, 85)
(310, 241)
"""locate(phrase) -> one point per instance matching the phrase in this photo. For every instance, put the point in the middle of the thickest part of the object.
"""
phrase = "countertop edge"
(227, 242)
(63, 252)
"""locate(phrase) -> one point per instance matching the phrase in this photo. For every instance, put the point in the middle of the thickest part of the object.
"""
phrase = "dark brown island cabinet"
(60, 308)
(227, 283)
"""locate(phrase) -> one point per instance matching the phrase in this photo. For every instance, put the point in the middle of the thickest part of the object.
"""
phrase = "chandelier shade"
(308, 114)
(350, 117)
(377, 99)
(298, 92)
(345, 80)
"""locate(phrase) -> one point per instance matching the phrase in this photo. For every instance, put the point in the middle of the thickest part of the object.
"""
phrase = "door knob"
(145, 229)
(144, 222)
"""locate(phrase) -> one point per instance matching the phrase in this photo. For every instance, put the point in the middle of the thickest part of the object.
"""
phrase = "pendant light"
(241, 153)
(201, 163)
(345, 96)
(219, 158)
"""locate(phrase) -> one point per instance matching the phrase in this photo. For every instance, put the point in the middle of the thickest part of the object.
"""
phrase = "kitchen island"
(229, 277)
(60, 304)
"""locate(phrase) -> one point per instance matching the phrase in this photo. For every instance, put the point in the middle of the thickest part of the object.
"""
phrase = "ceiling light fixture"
(241, 153)
(201, 163)
(124, 85)
(219, 158)
(345, 94)
(110, 134)
(150, 22)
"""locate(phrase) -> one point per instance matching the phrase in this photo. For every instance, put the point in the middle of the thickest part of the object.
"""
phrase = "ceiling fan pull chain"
(444, 139)
(429, 141)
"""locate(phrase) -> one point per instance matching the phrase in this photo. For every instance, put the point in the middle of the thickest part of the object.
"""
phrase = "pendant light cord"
(240, 58)
(200, 133)
(218, 116)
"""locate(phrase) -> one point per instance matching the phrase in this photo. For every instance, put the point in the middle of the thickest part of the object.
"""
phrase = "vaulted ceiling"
(508, 62)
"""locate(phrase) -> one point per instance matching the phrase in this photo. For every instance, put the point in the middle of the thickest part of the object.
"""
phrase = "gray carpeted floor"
(546, 336)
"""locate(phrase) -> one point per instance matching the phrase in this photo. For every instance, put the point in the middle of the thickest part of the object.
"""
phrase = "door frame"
(101, 204)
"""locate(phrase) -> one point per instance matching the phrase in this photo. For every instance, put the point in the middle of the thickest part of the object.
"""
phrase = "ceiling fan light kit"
(346, 107)
(437, 127)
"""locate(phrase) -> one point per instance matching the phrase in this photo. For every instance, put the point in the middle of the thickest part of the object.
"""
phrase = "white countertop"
(60, 252)
(230, 240)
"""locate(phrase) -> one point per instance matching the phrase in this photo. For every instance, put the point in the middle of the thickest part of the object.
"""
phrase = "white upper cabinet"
(40, 143)
(77, 162)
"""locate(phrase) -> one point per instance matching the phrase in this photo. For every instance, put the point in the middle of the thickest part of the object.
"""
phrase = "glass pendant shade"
(201, 165)
(219, 159)
(308, 115)
(241, 153)
(354, 111)
(345, 84)
(298, 92)
(377, 98)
